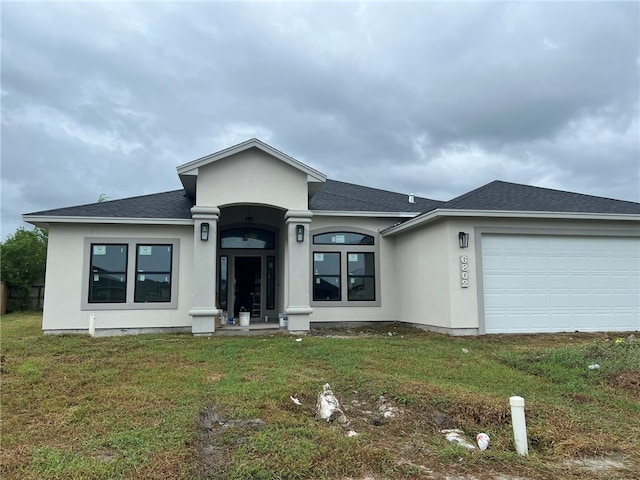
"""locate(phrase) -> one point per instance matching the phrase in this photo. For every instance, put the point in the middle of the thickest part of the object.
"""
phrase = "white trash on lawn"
(456, 436)
(328, 408)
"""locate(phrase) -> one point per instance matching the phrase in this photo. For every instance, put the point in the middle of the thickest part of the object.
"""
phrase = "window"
(222, 283)
(130, 273)
(153, 273)
(361, 276)
(271, 282)
(326, 276)
(345, 268)
(248, 238)
(342, 238)
(108, 273)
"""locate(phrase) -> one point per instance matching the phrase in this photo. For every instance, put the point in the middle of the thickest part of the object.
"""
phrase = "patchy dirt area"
(629, 381)
(410, 436)
(219, 437)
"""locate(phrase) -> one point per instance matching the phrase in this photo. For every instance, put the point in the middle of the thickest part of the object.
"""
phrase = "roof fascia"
(338, 213)
(48, 219)
(191, 168)
(438, 214)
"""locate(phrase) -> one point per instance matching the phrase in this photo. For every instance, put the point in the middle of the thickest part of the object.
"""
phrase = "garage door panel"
(558, 282)
(512, 301)
(543, 283)
(559, 299)
(537, 263)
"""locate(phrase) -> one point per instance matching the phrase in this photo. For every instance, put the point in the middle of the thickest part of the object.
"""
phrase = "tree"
(23, 258)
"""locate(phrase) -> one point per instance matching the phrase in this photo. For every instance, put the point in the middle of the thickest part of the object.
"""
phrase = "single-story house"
(256, 230)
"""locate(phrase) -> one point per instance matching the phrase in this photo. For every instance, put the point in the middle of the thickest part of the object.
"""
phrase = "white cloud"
(232, 134)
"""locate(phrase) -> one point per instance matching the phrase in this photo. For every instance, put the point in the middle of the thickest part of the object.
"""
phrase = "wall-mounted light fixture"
(204, 232)
(463, 239)
(300, 233)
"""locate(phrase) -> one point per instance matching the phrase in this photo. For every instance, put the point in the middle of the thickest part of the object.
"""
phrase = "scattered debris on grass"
(328, 408)
(482, 439)
(456, 436)
(387, 410)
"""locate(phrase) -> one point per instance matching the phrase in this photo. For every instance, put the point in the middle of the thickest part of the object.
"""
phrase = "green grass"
(77, 407)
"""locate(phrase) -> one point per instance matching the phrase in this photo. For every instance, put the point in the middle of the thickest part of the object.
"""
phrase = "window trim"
(345, 249)
(129, 303)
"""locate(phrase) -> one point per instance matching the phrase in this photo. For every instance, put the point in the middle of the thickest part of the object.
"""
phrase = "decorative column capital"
(298, 216)
(199, 212)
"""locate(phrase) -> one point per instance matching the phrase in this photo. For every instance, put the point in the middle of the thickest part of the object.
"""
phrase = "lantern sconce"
(463, 239)
(300, 233)
(204, 232)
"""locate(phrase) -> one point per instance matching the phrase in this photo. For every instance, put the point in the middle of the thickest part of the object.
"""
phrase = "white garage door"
(549, 283)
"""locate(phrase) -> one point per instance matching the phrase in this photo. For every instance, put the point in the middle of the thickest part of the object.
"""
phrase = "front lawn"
(184, 407)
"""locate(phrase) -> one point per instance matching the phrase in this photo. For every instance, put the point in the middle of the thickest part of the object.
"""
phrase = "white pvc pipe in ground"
(92, 324)
(519, 425)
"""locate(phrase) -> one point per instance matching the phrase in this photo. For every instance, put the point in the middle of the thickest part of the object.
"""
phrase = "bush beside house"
(23, 259)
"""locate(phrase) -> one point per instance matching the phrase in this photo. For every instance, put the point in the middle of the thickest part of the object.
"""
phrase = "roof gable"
(189, 171)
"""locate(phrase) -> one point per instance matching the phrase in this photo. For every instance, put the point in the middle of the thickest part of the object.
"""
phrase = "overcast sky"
(430, 98)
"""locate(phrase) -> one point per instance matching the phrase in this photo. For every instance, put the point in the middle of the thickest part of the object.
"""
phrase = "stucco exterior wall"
(423, 267)
(428, 266)
(386, 276)
(65, 277)
(252, 177)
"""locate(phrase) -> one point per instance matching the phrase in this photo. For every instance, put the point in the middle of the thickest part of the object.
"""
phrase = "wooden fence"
(14, 298)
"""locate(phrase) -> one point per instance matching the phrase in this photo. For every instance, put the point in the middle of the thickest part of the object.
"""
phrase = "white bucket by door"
(244, 319)
(284, 320)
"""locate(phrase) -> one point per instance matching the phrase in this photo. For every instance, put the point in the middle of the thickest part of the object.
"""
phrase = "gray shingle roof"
(345, 197)
(174, 205)
(499, 195)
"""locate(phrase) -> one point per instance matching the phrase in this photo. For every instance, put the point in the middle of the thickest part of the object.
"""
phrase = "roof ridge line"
(571, 193)
(466, 195)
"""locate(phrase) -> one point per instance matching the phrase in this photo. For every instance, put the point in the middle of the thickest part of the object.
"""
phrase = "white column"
(204, 310)
(298, 281)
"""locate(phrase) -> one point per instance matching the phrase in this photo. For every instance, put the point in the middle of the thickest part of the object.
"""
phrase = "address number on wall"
(464, 271)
